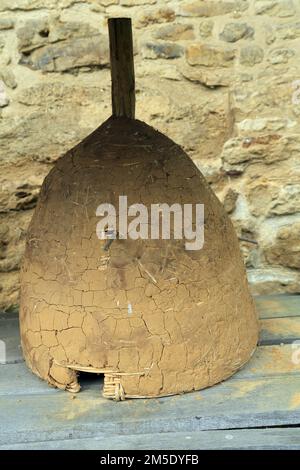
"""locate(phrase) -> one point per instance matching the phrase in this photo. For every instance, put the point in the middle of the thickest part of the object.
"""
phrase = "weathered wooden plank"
(16, 379)
(279, 330)
(9, 334)
(268, 401)
(9, 315)
(276, 306)
(269, 361)
(243, 439)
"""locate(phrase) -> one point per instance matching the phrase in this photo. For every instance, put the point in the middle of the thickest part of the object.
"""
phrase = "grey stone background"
(218, 77)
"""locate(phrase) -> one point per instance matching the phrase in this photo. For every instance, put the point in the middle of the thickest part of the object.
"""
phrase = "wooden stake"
(122, 67)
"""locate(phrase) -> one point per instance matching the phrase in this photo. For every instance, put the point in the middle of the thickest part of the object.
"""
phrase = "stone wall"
(219, 77)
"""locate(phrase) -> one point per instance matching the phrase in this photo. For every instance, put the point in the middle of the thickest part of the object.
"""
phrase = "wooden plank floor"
(258, 408)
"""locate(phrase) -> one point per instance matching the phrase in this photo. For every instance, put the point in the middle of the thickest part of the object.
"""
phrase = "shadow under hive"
(154, 318)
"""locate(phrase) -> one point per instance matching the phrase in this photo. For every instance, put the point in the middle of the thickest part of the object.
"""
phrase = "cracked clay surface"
(162, 319)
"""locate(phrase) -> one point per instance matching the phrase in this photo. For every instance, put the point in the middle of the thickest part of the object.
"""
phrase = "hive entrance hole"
(91, 380)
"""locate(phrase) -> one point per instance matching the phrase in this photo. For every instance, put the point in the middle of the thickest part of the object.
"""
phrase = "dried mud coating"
(155, 318)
